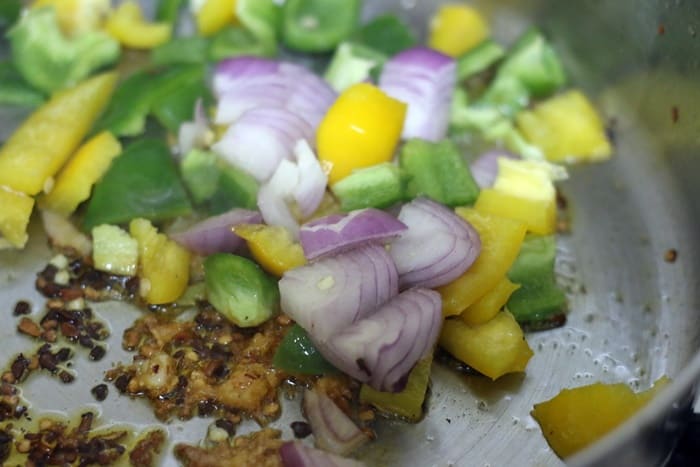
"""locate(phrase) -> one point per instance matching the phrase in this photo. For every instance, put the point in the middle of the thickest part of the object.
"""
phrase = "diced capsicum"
(361, 129)
(539, 297)
(214, 15)
(407, 403)
(457, 28)
(240, 290)
(272, 246)
(351, 64)
(479, 59)
(490, 304)
(438, 171)
(15, 90)
(181, 50)
(386, 34)
(263, 19)
(9, 12)
(14, 217)
(500, 243)
(495, 348)
(168, 11)
(114, 250)
(318, 25)
(377, 186)
(51, 61)
(142, 182)
(164, 266)
(43, 143)
(567, 128)
(128, 26)
(235, 41)
(76, 16)
(296, 354)
(74, 182)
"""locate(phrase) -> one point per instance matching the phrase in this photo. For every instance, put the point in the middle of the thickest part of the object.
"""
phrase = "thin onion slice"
(333, 430)
(334, 292)
(195, 134)
(260, 139)
(336, 233)
(273, 197)
(454, 245)
(424, 79)
(381, 349)
(63, 234)
(214, 235)
(297, 454)
(311, 187)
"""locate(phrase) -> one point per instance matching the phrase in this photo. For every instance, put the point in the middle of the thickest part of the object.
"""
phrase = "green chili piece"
(318, 25)
(298, 354)
(235, 41)
(142, 182)
(181, 50)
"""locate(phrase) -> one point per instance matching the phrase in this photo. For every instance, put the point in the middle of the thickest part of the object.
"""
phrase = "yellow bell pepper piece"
(362, 128)
(567, 128)
(43, 143)
(494, 348)
(272, 247)
(128, 26)
(83, 170)
(164, 266)
(522, 191)
(490, 304)
(501, 239)
(15, 211)
(407, 403)
(576, 418)
(214, 16)
(77, 16)
(456, 29)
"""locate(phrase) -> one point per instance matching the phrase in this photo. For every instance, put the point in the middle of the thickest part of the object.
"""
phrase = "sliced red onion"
(62, 233)
(273, 197)
(336, 233)
(334, 292)
(381, 349)
(261, 138)
(311, 187)
(256, 83)
(214, 235)
(424, 79)
(485, 167)
(437, 248)
(195, 134)
(297, 454)
(333, 430)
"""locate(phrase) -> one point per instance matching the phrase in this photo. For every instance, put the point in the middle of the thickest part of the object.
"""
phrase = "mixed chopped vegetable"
(344, 197)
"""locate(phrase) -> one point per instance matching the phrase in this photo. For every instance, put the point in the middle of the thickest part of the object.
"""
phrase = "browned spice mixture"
(147, 449)
(671, 255)
(260, 449)
(205, 366)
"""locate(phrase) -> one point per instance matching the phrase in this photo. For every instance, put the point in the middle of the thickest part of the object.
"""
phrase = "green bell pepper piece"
(318, 25)
(9, 12)
(539, 297)
(263, 18)
(168, 11)
(479, 59)
(378, 186)
(134, 99)
(352, 63)
(181, 50)
(240, 290)
(235, 41)
(173, 109)
(387, 34)
(141, 182)
(14, 90)
(438, 171)
(297, 354)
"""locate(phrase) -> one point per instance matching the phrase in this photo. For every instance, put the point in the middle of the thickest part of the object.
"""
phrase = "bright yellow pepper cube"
(164, 266)
(272, 247)
(43, 143)
(15, 211)
(576, 418)
(128, 26)
(214, 16)
(83, 170)
(538, 215)
(501, 239)
(456, 29)
(567, 128)
(495, 348)
(490, 304)
(361, 129)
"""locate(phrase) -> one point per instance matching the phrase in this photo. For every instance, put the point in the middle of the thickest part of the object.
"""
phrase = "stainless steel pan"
(634, 317)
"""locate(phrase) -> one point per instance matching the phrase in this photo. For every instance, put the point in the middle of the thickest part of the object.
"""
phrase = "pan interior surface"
(632, 313)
